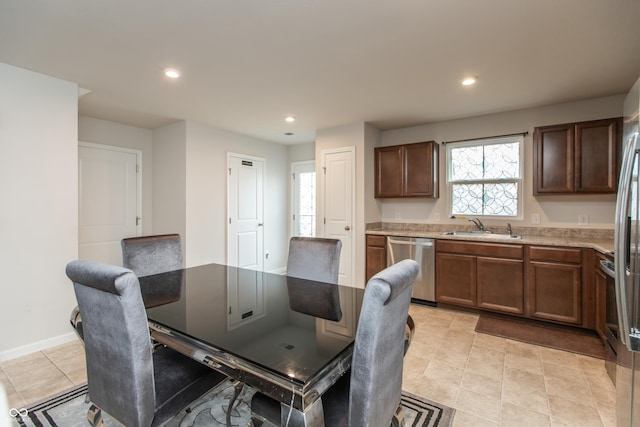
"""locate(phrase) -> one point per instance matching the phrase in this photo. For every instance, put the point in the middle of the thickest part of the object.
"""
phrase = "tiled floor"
(33, 377)
(490, 381)
(493, 381)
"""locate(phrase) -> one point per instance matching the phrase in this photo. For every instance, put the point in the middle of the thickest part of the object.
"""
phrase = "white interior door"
(245, 228)
(109, 200)
(339, 205)
(245, 297)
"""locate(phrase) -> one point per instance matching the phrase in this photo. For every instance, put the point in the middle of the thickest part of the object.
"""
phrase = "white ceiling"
(246, 64)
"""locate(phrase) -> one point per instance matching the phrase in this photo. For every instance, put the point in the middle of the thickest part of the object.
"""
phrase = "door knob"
(346, 227)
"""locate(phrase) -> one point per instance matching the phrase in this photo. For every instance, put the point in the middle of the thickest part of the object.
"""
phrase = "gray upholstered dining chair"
(144, 255)
(314, 258)
(148, 255)
(134, 384)
(317, 259)
(370, 395)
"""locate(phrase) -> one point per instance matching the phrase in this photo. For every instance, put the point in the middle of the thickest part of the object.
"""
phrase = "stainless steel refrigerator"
(627, 268)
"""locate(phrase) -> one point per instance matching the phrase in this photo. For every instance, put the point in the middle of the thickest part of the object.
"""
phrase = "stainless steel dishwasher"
(422, 251)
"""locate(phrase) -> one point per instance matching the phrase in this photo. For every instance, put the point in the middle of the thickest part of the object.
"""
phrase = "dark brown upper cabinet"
(409, 170)
(577, 157)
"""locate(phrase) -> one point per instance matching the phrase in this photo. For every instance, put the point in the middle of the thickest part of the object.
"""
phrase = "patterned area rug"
(69, 409)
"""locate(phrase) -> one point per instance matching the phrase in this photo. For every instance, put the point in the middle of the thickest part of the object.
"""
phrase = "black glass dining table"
(289, 338)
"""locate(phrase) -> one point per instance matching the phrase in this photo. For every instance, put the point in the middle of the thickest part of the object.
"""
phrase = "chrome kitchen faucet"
(478, 223)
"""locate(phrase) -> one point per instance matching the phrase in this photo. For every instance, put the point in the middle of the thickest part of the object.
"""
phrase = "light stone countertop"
(598, 241)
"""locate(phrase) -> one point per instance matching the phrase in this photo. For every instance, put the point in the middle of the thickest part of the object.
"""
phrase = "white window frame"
(297, 167)
(483, 142)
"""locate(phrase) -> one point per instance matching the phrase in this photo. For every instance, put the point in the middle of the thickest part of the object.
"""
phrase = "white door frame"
(321, 206)
(292, 227)
(261, 250)
(138, 154)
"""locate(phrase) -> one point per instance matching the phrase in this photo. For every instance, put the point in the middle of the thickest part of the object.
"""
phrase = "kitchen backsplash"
(587, 233)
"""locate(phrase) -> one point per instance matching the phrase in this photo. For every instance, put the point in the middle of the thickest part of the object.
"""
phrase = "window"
(485, 177)
(303, 175)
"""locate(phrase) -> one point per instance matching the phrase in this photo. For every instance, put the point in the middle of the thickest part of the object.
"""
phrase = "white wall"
(555, 211)
(169, 180)
(115, 134)
(39, 214)
(364, 138)
(301, 152)
(190, 190)
(372, 206)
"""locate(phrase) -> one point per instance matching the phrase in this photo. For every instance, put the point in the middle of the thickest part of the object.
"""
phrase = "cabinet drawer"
(483, 249)
(547, 253)
(380, 241)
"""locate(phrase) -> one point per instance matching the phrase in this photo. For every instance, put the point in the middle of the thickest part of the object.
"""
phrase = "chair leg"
(237, 385)
(398, 417)
(94, 415)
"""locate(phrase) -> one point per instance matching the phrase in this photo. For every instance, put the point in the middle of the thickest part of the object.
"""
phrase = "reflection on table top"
(293, 328)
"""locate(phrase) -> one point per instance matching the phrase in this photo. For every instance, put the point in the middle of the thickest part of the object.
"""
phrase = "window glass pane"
(466, 199)
(496, 161)
(499, 199)
(466, 163)
(484, 176)
(502, 161)
(306, 215)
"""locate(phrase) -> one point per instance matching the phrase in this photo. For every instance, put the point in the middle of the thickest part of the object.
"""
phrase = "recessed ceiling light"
(172, 73)
(290, 119)
(468, 81)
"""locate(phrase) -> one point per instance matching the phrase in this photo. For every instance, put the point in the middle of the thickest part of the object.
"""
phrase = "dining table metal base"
(313, 416)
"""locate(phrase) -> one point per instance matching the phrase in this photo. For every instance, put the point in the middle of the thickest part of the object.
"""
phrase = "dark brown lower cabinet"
(600, 286)
(555, 292)
(555, 285)
(501, 284)
(456, 279)
(465, 276)
(376, 258)
(549, 283)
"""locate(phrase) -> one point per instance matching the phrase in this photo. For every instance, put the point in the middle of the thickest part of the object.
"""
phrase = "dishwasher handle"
(424, 243)
(427, 242)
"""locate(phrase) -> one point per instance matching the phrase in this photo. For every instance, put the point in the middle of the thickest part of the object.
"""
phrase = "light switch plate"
(583, 219)
(535, 219)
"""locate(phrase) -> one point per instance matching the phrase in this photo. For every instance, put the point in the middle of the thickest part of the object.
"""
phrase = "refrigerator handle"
(621, 230)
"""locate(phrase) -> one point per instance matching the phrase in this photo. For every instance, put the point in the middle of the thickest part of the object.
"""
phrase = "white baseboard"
(37, 346)
(281, 270)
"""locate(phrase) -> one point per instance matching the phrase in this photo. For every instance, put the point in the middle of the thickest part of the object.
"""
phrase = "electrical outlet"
(535, 219)
(583, 219)
(436, 216)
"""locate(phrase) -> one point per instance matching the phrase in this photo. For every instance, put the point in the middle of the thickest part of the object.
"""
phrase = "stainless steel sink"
(483, 234)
